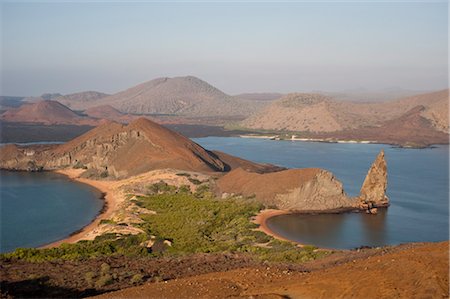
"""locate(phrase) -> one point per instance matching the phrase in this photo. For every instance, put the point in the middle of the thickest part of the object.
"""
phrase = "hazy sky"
(237, 47)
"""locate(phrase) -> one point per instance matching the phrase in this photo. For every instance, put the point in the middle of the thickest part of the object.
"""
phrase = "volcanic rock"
(308, 189)
(373, 190)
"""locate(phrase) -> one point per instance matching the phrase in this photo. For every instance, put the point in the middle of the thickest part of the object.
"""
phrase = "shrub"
(202, 191)
(107, 221)
(194, 181)
(184, 189)
(104, 280)
(104, 268)
(137, 278)
(183, 174)
(161, 187)
(79, 165)
(89, 277)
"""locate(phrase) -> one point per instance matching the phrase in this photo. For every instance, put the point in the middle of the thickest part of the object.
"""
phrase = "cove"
(418, 188)
(40, 208)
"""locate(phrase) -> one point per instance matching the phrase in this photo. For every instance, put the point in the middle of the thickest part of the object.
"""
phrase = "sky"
(236, 46)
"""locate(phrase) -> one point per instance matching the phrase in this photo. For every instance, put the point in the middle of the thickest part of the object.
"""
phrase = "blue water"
(418, 187)
(40, 208)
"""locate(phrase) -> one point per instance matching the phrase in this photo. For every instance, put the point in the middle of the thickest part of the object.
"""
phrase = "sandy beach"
(111, 198)
(262, 217)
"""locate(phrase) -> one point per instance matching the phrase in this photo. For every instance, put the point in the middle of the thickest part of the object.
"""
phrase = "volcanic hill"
(46, 112)
(74, 100)
(117, 150)
(180, 96)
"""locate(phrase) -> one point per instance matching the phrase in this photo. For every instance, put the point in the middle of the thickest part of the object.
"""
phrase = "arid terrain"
(318, 113)
(188, 96)
(417, 121)
(177, 216)
(408, 271)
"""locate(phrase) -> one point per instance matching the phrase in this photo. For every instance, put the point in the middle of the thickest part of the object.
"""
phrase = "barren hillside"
(46, 112)
(181, 96)
(317, 113)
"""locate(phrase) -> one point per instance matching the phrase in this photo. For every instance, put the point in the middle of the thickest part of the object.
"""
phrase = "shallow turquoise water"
(40, 208)
(418, 186)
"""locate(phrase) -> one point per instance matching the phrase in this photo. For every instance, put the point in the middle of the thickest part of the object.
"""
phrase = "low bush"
(137, 278)
(103, 280)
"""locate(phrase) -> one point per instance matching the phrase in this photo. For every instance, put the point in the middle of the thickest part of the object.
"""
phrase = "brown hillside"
(180, 96)
(118, 150)
(136, 148)
(109, 113)
(320, 114)
(412, 128)
(80, 99)
(46, 112)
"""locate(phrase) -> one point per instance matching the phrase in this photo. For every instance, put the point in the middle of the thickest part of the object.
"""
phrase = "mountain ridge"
(322, 114)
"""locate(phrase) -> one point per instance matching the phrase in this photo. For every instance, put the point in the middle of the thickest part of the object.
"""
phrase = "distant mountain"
(42, 97)
(365, 95)
(259, 96)
(105, 111)
(317, 113)
(79, 100)
(187, 96)
(7, 102)
(410, 129)
(45, 112)
(296, 112)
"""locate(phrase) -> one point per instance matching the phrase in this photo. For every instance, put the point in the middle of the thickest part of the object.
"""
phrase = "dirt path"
(411, 272)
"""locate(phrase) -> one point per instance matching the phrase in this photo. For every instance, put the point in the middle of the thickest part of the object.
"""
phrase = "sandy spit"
(111, 198)
(261, 220)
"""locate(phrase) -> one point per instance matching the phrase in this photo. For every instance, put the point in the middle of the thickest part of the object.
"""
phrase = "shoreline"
(393, 144)
(264, 215)
(110, 203)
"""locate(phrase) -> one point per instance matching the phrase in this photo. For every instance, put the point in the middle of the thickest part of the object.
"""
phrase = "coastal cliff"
(307, 190)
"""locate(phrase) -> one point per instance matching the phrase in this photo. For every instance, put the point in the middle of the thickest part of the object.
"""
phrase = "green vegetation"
(79, 165)
(104, 280)
(105, 245)
(161, 187)
(183, 174)
(196, 224)
(184, 224)
(137, 278)
(107, 221)
(194, 181)
(89, 277)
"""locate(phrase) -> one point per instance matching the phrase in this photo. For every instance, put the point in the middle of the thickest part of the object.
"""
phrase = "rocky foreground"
(407, 271)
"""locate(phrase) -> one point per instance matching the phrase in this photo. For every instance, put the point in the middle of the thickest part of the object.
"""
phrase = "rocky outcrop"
(373, 190)
(309, 189)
